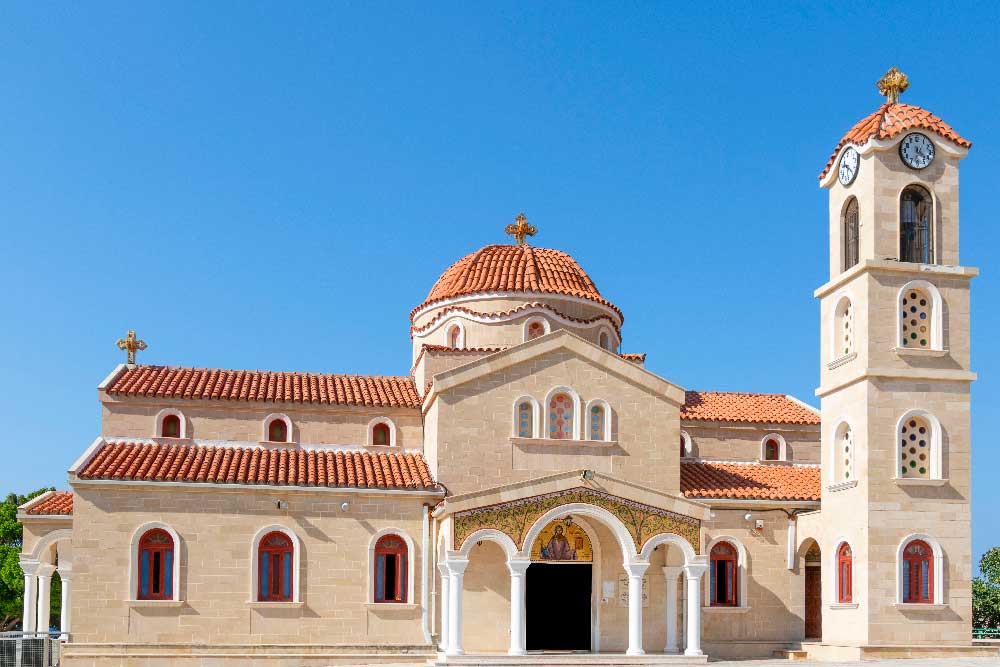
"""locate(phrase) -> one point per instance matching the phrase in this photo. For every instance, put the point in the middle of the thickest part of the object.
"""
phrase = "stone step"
(555, 659)
(791, 654)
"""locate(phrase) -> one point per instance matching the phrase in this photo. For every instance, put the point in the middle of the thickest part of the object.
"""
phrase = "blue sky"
(267, 186)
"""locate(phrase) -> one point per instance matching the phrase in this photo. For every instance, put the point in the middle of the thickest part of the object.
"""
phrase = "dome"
(515, 268)
(890, 120)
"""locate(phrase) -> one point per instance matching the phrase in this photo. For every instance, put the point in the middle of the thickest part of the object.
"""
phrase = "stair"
(791, 654)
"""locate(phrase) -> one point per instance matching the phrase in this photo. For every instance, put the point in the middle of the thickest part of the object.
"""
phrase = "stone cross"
(131, 344)
(521, 229)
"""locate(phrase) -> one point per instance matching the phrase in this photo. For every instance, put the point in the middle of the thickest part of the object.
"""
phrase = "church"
(528, 492)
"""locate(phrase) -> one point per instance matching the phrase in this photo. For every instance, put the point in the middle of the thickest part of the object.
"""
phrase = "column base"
(693, 652)
(635, 651)
(516, 651)
(453, 652)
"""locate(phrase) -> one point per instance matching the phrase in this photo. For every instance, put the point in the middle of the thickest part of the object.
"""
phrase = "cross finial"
(521, 229)
(131, 344)
(892, 84)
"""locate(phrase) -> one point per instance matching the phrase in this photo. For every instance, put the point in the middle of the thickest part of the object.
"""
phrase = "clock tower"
(895, 374)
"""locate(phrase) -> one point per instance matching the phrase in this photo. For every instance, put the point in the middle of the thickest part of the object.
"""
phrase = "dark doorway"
(814, 603)
(557, 607)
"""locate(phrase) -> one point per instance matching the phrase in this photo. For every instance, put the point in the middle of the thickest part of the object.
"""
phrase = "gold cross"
(130, 343)
(521, 229)
(892, 84)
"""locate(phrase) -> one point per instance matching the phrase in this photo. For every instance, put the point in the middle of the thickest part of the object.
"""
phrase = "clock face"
(849, 163)
(916, 150)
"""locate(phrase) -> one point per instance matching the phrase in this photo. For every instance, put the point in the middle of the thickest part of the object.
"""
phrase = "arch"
(918, 417)
(410, 558)
(841, 327)
(916, 224)
(742, 569)
(255, 564)
(170, 412)
(455, 334)
(843, 568)
(842, 452)
(534, 420)
(277, 416)
(531, 330)
(671, 539)
(133, 560)
(374, 439)
(849, 233)
(937, 568)
(687, 449)
(601, 421)
(621, 533)
(575, 399)
(490, 535)
(46, 542)
(910, 312)
(781, 449)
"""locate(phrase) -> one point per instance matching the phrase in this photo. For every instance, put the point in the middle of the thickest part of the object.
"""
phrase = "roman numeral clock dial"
(849, 163)
(916, 150)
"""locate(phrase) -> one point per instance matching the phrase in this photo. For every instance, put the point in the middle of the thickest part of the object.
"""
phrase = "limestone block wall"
(244, 422)
(475, 423)
(486, 600)
(216, 528)
(742, 442)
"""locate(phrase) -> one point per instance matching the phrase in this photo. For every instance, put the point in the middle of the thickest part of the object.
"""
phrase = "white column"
(693, 573)
(790, 554)
(30, 613)
(635, 571)
(65, 575)
(456, 571)
(44, 601)
(445, 603)
(671, 574)
(517, 570)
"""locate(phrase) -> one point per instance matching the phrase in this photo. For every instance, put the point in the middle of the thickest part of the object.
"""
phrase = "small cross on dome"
(892, 84)
(521, 229)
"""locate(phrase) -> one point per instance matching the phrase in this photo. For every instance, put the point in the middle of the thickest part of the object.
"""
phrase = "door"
(557, 607)
(814, 603)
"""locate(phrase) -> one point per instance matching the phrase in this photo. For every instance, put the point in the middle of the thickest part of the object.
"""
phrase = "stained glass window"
(535, 329)
(597, 422)
(275, 556)
(918, 573)
(156, 566)
(916, 319)
(561, 416)
(915, 448)
(453, 336)
(525, 420)
(844, 451)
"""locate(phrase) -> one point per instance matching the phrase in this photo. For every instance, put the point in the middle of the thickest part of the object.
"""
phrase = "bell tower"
(894, 384)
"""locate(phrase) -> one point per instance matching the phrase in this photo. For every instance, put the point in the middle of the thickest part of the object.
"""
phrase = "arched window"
(277, 431)
(275, 572)
(843, 329)
(390, 569)
(850, 232)
(915, 224)
(171, 427)
(915, 447)
(845, 574)
(456, 337)
(156, 566)
(525, 419)
(843, 452)
(772, 448)
(561, 416)
(535, 328)
(685, 444)
(598, 415)
(917, 313)
(381, 436)
(605, 340)
(724, 574)
(918, 573)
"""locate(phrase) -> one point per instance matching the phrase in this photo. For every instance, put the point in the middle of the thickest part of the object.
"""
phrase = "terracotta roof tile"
(158, 462)
(750, 481)
(633, 356)
(515, 268)
(744, 407)
(214, 383)
(55, 503)
(891, 120)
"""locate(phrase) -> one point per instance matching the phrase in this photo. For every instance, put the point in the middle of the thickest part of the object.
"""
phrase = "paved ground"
(937, 662)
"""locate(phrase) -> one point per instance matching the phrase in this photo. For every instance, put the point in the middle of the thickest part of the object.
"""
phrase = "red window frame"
(918, 573)
(390, 572)
(275, 581)
(277, 431)
(454, 334)
(174, 431)
(154, 565)
(772, 450)
(845, 573)
(382, 428)
(725, 574)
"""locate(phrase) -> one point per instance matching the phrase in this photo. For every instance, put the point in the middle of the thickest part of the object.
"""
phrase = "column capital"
(518, 566)
(636, 568)
(442, 568)
(695, 570)
(29, 567)
(457, 566)
(46, 570)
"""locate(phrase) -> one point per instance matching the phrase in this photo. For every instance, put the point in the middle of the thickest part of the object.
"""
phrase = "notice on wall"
(623, 590)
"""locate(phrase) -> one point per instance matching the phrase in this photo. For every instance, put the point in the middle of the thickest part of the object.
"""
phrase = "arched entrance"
(812, 562)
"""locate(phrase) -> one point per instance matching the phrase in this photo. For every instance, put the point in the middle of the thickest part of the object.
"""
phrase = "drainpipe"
(425, 571)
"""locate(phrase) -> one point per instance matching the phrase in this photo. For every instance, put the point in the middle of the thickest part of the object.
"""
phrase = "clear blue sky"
(261, 186)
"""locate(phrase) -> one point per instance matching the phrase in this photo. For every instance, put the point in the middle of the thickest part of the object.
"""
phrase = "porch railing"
(986, 633)
(29, 649)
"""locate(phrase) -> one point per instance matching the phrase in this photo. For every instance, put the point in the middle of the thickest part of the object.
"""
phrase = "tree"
(11, 576)
(986, 591)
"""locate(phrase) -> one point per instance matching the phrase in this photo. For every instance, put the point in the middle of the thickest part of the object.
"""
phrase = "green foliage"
(986, 591)
(11, 576)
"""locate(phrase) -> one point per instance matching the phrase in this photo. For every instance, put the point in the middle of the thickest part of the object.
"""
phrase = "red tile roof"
(54, 503)
(750, 481)
(891, 120)
(214, 383)
(158, 462)
(633, 356)
(514, 268)
(743, 407)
